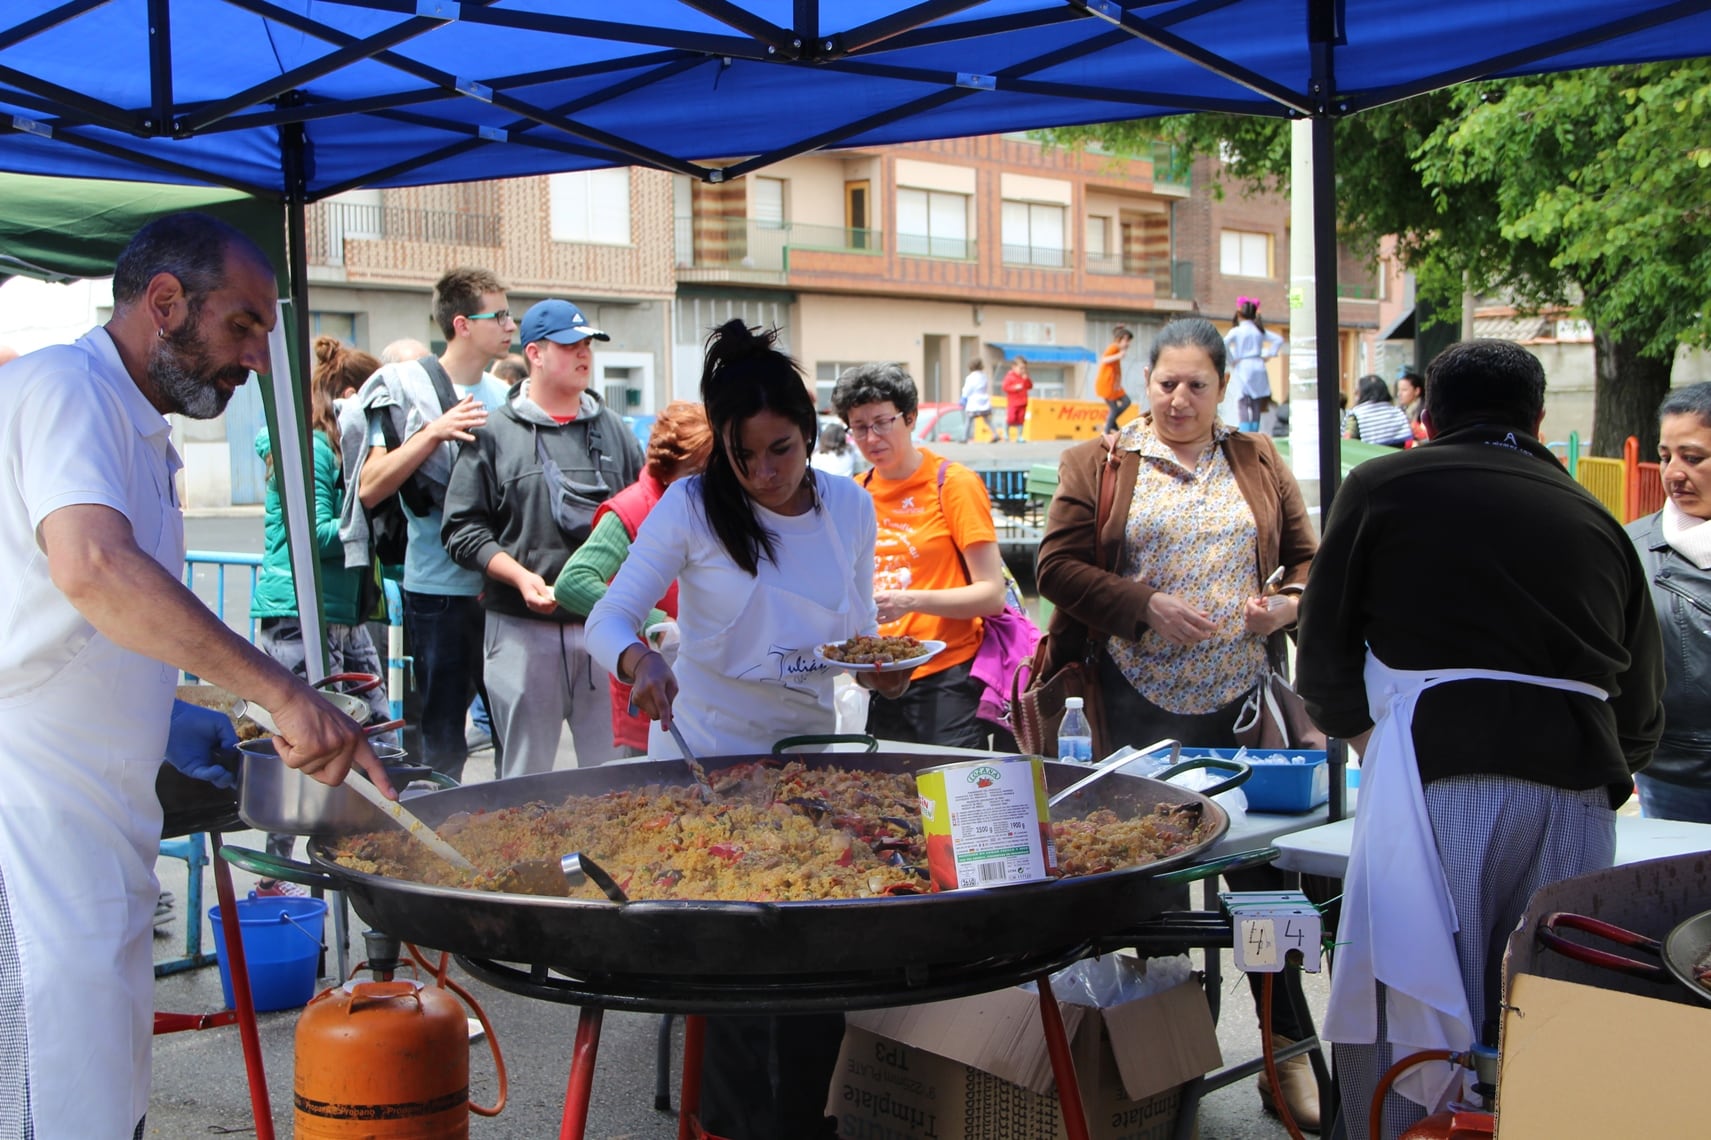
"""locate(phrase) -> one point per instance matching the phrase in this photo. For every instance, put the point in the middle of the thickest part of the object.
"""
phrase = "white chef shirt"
(74, 429)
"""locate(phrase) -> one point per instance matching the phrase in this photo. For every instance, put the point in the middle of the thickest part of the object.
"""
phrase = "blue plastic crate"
(1280, 787)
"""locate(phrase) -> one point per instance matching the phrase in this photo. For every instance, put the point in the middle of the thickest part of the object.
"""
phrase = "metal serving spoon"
(695, 768)
(1110, 766)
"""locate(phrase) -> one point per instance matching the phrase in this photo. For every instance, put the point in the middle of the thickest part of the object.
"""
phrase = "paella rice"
(867, 649)
(774, 833)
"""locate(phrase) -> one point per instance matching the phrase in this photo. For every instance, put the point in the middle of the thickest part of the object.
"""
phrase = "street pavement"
(199, 1081)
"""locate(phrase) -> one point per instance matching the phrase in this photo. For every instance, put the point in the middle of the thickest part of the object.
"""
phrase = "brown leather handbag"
(1038, 709)
(1274, 718)
(1037, 702)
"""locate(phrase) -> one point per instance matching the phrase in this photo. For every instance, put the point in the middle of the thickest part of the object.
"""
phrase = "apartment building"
(1244, 240)
(936, 254)
(932, 254)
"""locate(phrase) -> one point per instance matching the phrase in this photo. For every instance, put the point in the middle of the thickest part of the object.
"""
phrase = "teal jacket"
(275, 593)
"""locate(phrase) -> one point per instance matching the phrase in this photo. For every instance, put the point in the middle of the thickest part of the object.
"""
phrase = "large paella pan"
(690, 939)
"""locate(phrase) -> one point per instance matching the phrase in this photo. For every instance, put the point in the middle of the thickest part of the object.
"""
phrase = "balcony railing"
(331, 224)
(837, 239)
(1171, 165)
(1046, 257)
(717, 248)
(928, 245)
(746, 247)
(1171, 278)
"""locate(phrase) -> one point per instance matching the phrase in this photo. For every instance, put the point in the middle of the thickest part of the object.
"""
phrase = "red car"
(943, 423)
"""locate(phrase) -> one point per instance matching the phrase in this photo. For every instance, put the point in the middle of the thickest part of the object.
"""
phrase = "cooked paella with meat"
(773, 833)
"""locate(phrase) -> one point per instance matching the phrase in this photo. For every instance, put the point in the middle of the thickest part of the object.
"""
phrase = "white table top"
(1324, 850)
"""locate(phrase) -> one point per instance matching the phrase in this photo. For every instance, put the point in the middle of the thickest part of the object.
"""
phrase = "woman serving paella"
(772, 560)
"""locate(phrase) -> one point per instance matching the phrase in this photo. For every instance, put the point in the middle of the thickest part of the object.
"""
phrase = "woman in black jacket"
(1675, 548)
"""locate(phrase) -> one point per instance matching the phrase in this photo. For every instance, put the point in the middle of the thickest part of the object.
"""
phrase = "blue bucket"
(282, 945)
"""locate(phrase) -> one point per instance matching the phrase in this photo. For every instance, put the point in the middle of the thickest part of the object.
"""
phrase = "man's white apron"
(1398, 921)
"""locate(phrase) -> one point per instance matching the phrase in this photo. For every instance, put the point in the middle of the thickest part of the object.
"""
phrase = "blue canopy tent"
(299, 99)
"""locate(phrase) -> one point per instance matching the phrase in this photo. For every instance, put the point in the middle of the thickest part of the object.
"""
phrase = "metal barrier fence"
(206, 576)
(224, 580)
(1628, 488)
(1607, 479)
(1645, 483)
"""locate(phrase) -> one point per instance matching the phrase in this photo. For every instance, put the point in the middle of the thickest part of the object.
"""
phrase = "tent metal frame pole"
(292, 145)
(293, 140)
(1325, 331)
(1325, 24)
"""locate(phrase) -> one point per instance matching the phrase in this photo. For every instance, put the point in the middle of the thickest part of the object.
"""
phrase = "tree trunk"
(1630, 387)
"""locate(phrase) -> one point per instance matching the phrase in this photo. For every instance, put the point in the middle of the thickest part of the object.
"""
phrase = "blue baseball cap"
(558, 321)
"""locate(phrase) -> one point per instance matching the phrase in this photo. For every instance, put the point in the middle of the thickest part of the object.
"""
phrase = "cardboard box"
(1588, 1052)
(977, 1068)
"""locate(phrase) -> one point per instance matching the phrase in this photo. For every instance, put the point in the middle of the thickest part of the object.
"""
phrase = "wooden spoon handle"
(407, 819)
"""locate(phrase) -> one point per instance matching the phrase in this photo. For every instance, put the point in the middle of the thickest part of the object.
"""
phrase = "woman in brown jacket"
(1169, 597)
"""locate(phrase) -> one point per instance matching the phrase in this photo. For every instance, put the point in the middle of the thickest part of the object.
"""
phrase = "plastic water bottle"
(1074, 736)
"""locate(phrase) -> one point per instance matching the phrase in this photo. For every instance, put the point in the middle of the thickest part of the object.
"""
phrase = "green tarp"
(57, 229)
(61, 229)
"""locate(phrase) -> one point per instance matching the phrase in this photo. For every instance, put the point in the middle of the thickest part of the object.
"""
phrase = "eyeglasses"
(500, 315)
(874, 427)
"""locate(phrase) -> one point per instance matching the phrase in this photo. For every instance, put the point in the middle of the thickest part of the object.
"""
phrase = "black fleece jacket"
(1479, 551)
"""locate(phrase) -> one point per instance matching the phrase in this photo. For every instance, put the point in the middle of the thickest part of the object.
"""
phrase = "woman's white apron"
(757, 680)
(1398, 920)
(79, 835)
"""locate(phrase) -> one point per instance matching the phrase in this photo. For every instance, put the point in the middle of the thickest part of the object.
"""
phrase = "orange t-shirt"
(1109, 383)
(918, 544)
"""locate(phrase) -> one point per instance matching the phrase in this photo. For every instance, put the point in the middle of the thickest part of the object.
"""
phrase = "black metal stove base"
(773, 995)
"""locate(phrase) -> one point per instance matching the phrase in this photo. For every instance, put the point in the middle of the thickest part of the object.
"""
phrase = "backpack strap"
(441, 380)
(939, 491)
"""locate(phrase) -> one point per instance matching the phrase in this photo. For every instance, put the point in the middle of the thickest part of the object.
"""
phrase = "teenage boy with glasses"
(401, 436)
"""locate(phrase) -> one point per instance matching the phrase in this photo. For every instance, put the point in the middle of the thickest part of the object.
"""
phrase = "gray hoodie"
(499, 498)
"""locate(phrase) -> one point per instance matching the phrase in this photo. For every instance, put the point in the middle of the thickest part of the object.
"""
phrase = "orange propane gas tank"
(383, 1060)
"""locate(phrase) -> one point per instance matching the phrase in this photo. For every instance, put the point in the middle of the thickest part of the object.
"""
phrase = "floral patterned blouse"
(1191, 534)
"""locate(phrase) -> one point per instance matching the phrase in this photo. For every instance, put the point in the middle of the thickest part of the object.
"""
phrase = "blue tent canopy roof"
(1047, 353)
(301, 99)
(379, 95)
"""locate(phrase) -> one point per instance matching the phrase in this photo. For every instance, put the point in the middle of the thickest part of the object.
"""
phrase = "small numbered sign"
(1269, 926)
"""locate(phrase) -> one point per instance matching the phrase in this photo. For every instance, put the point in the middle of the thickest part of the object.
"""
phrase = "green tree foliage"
(1590, 189)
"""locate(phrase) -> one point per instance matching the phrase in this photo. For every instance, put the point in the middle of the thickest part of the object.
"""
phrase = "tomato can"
(987, 822)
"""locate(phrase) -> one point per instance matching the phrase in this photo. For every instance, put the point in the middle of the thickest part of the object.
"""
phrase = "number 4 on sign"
(1256, 945)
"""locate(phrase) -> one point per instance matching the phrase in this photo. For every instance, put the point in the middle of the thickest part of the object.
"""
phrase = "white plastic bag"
(1113, 979)
(1199, 779)
(850, 700)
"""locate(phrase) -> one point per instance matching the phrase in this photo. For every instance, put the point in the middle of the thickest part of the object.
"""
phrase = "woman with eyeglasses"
(937, 571)
(772, 559)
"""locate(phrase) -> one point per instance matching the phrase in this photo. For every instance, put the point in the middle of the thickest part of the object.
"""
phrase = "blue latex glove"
(195, 734)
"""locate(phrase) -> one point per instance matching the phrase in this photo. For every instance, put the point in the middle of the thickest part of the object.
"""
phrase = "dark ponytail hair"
(1247, 309)
(745, 374)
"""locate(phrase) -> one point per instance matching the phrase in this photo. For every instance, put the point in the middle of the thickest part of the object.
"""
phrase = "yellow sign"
(1070, 419)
